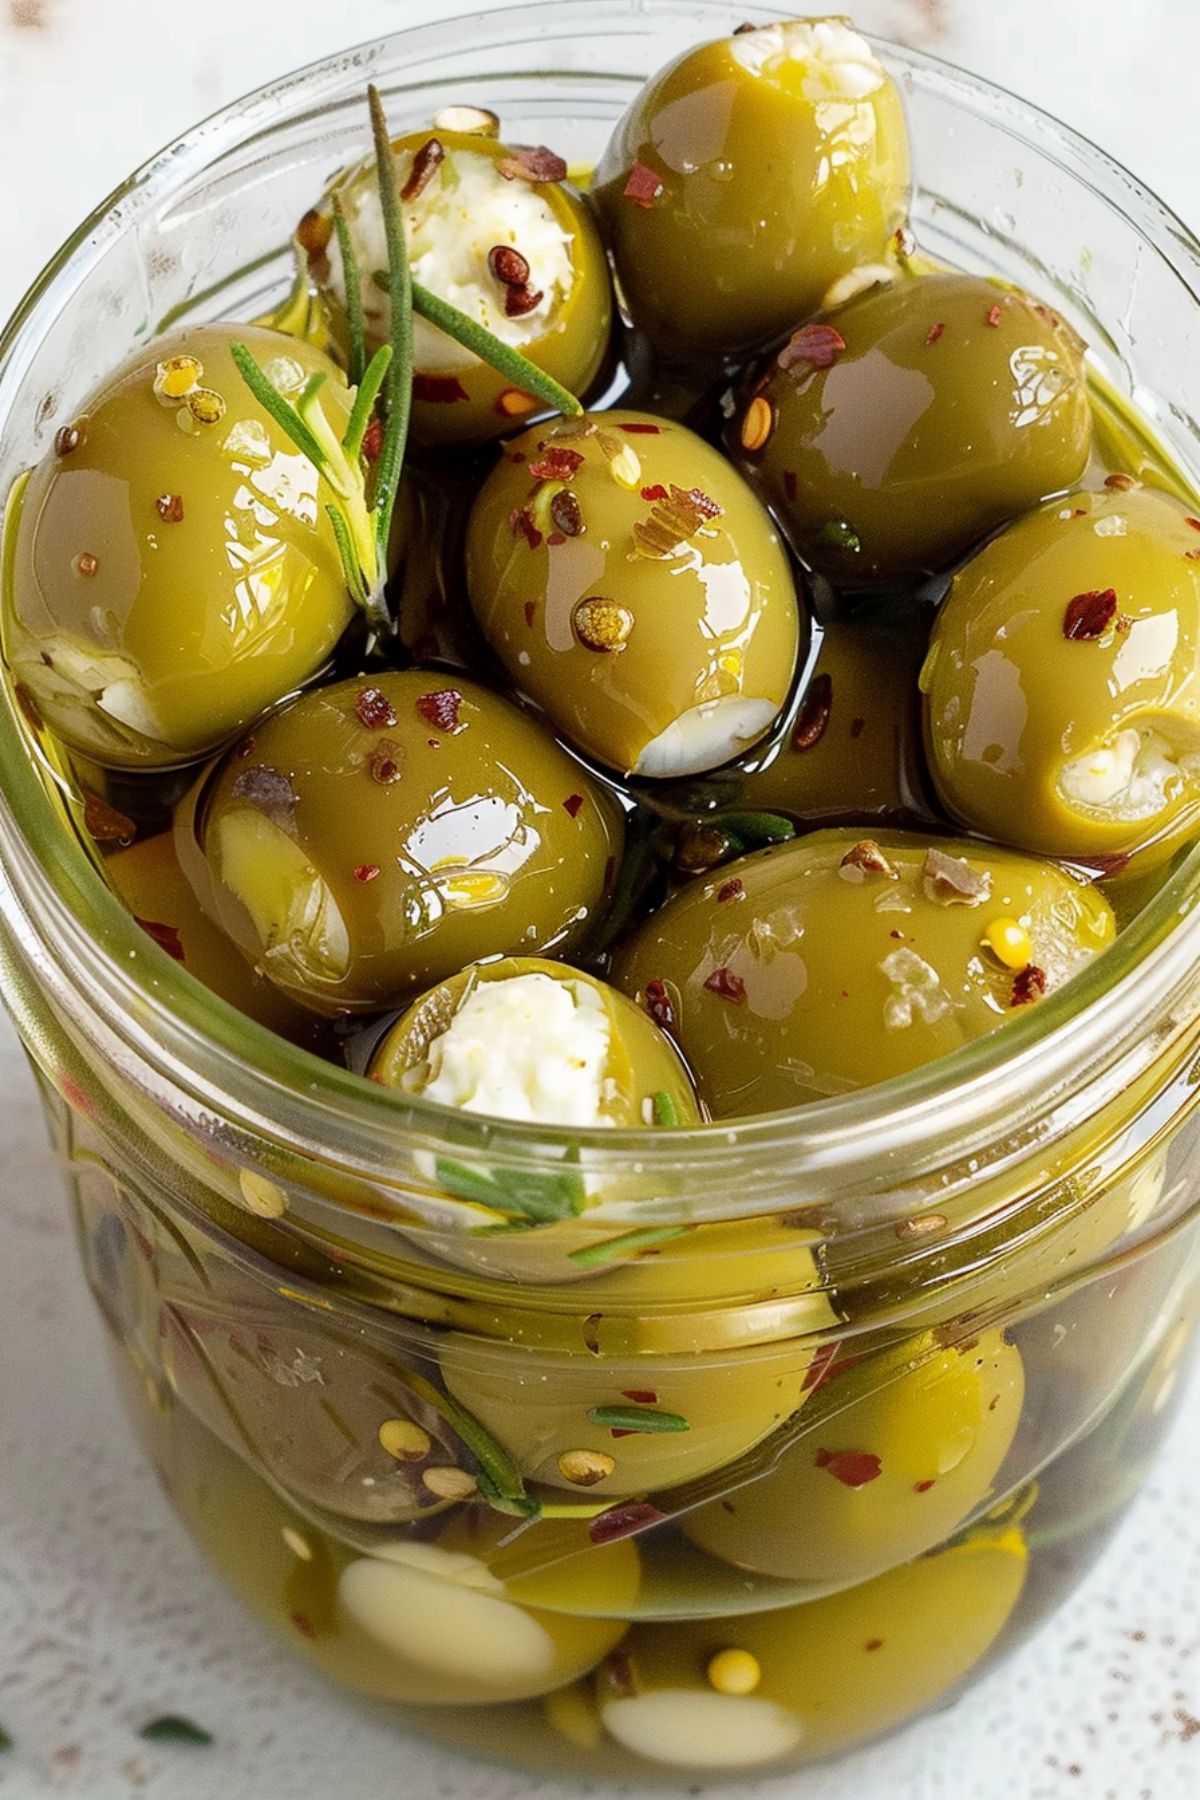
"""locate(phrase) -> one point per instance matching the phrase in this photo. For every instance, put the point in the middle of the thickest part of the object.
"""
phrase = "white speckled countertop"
(107, 1617)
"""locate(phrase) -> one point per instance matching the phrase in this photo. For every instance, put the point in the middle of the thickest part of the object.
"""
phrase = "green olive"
(157, 892)
(440, 1623)
(813, 1680)
(853, 754)
(748, 178)
(174, 571)
(622, 1427)
(1062, 687)
(635, 588)
(819, 966)
(497, 232)
(895, 435)
(374, 837)
(522, 1038)
(886, 1476)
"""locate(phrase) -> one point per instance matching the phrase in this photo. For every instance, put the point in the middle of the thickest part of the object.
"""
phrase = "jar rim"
(60, 908)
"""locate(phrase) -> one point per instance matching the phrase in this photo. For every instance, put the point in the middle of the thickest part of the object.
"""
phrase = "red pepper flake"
(813, 717)
(425, 165)
(104, 824)
(729, 890)
(441, 709)
(246, 748)
(655, 492)
(508, 266)
(1194, 523)
(366, 872)
(726, 986)
(556, 538)
(304, 1625)
(791, 483)
(556, 463)
(620, 1431)
(1090, 615)
(382, 765)
(873, 1644)
(438, 390)
(640, 428)
(165, 936)
(640, 1396)
(1028, 985)
(372, 442)
(169, 508)
(923, 1487)
(521, 300)
(643, 186)
(530, 613)
(375, 711)
(532, 162)
(995, 313)
(515, 456)
(658, 1004)
(572, 804)
(1192, 555)
(827, 1363)
(853, 1468)
(623, 1521)
(520, 523)
(935, 332)
(567, 514)
(818, 346)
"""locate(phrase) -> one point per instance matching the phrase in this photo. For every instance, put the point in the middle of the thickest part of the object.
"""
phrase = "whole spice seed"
(624, 1521)
(567, 513)
(450, 1483)
(1009, 943)
(813, 716)
(67, 439)
(405, 1440)
(758, 423)
(382, 765)
(261, 1196)
(471, 121)
(206, 406)
(584, 1468)
(642, 186)
(176, 377)
(104, 824)
(169, 508)
(734, 1671)
(602, 625)
(441, 709)
(854, 1468)
(556, 462)
(521, 300)
(1089, 615)
(374, 710)
(1029, 985)
(1120, 482)
(867, 856)
(532, 162)
(814, 346)
(508, 265)
(726, 986)
(425, 165)
(165, 936)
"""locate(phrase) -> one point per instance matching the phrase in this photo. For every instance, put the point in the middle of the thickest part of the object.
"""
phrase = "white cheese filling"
(528, 1047)
(838, 62)
(1134, 776)
(705, 736)
(465, 209)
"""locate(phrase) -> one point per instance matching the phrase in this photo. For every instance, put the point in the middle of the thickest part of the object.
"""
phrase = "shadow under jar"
(865, 1402)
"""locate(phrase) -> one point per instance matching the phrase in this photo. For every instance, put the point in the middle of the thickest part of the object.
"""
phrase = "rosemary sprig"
(637, 1418)
(753, 830)
(398, 391)
(352, 276)
(531, 1197)
(594, 1256)
(489, 348)
(500, 1480)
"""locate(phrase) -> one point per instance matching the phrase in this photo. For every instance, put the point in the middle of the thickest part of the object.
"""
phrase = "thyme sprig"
(355, 319)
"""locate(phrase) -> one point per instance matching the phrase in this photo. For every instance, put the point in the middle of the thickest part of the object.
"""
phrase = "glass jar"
(807, 1419)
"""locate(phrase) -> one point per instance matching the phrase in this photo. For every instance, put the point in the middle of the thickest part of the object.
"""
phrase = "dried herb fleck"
(173, 1728)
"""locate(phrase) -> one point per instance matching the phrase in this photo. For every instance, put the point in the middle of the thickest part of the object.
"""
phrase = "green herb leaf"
(499, 1477)
(6, 1742)
(530, 1195)
(171, 1728)
(593, 1256)
(348, 554)
(495, 352)
(364, 401)
(281, 410)
(637, 1418)
(352, 276)
(836, 534)
(751, 830)
(666, 1112)
(398, 387)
